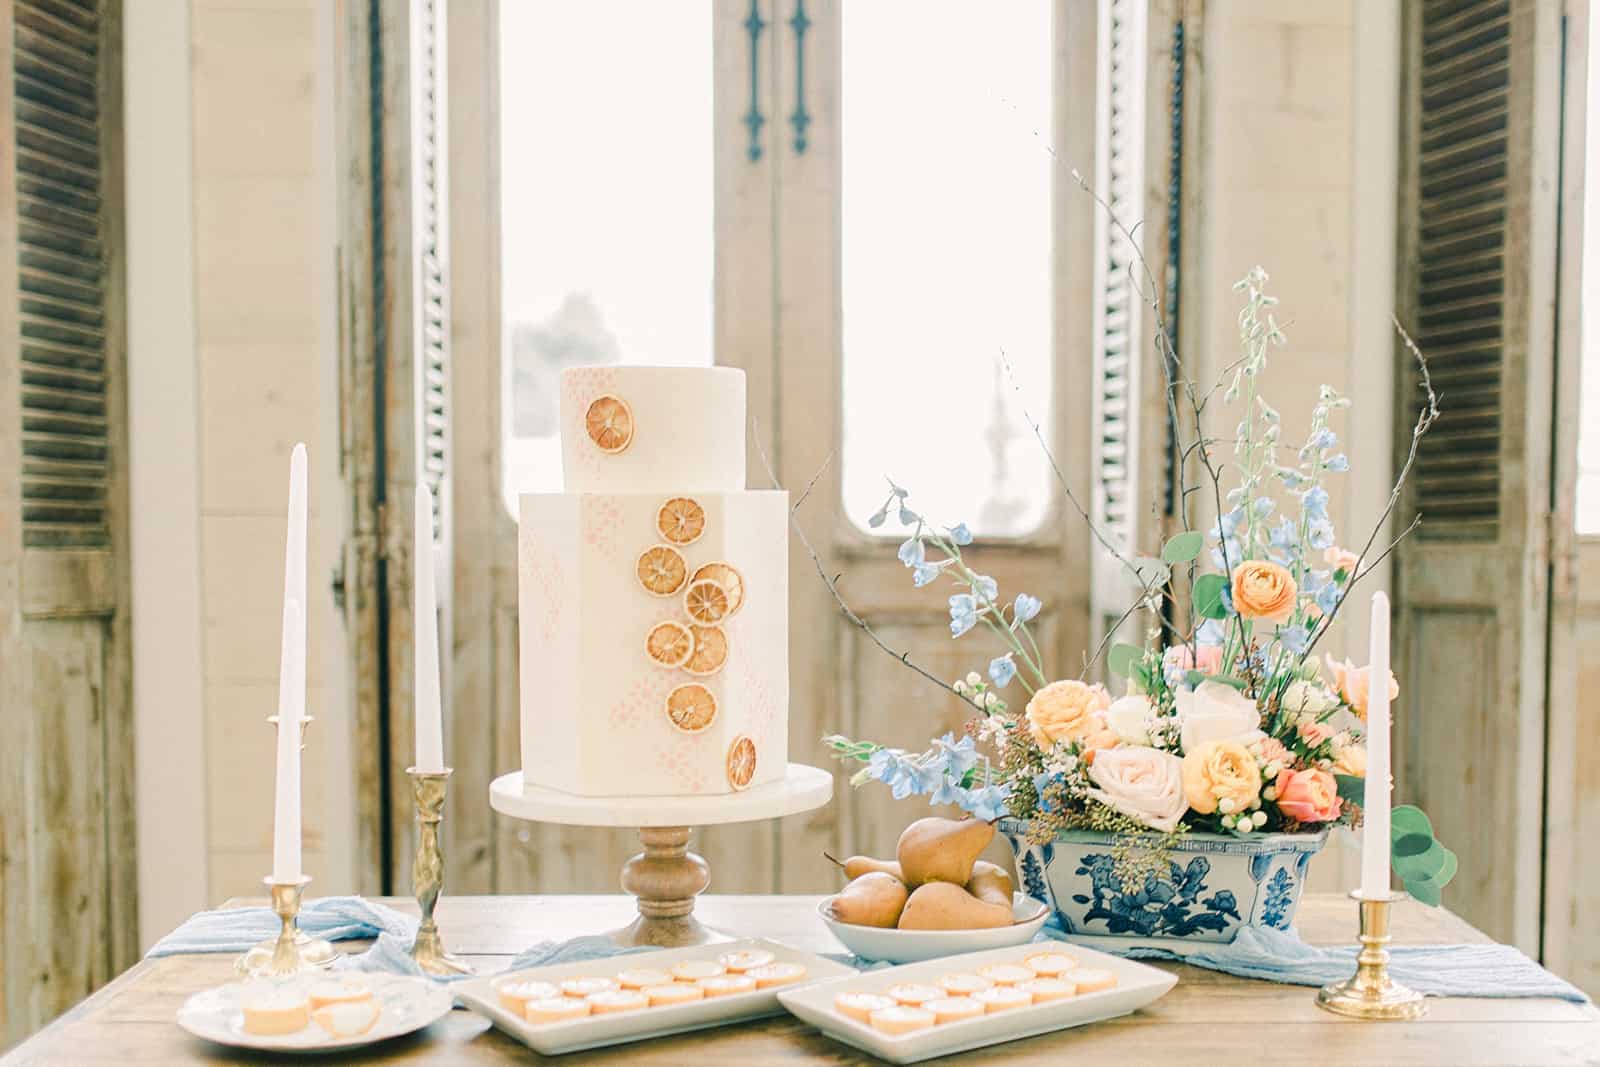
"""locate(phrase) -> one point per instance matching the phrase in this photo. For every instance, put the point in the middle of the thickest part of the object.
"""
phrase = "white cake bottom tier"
(595, 705)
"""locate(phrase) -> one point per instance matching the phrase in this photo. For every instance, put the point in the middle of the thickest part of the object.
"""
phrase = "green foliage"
(1352, 790)
(1423, 864)
(1183, 547)
(1196, 677)
(1208, 596)
(1123, 659)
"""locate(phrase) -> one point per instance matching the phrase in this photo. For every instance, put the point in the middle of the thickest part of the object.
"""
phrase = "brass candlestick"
(427, 874)
(293, 951)
(1370, 993)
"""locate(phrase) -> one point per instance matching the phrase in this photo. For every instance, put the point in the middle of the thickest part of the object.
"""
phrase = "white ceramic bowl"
(912, 946)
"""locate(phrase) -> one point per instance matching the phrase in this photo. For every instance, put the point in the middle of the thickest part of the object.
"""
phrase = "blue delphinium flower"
(1295, 638)
(1328, 595)
(987, 803)
(1315, 503)
(1211, 632)
(1320, 534)
(923, 573)
(1025, 607)
(960, 535)
(949, 792)
(958, 757)
(1002, 670)
(986, 586)
(888, 766)
(1262, 506)
(912, 552)
(963, 613)
(1041, 782)
(878, 517)
(1285, 541)
(1339, 463)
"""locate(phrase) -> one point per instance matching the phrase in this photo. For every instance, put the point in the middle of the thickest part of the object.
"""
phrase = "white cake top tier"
(652, 429)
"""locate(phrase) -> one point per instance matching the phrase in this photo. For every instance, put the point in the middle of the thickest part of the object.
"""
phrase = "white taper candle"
(1375, 799)
(425, 626)
(291, 680)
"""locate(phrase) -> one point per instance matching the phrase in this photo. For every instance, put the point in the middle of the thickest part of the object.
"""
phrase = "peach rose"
(1341, 558)
(1308, 796)
(1070, 711)
(1313, 733)
(1353, 684)
(1263, 590)
(1207, 659)
(1351, 760)
(1220, 770)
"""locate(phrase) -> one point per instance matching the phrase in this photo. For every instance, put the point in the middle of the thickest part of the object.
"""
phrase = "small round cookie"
(556, 1010)
(776, 974)
(662, 996)
(344, 989)
(860, 1006)
(915, 993)
(1049, 964)
(725, 985)
(615, 1000)
(694, 970)
(954, 1009)
(1006, 973)
(1044, 989)
(517, 993)
(1091, 979)
(271, 1009)
(348, 1018)
(901, 1019)
(587, 985)
(1003, 998)
(964, 985)
(641, 977)
(745, 959)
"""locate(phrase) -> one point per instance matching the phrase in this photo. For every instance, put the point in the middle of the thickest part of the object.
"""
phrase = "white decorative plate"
(1137, 985)
(912, 946)
(596, 1031)
(407, 1004)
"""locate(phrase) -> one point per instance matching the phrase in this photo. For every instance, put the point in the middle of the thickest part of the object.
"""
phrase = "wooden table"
(1208, 1018)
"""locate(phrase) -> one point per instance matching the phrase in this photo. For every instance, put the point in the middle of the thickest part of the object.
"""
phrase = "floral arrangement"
(1227, 721)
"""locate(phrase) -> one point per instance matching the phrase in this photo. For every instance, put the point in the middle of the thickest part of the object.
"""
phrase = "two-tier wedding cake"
(653, 594)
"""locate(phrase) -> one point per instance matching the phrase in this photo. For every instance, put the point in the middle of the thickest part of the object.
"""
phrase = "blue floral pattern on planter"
(1033, 877)
(1162, 906)
(1280, 900)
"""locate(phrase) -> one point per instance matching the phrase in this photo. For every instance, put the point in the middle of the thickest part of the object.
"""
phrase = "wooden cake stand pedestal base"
(666, 877)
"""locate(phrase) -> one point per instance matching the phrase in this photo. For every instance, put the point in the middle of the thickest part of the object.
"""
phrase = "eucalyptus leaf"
(1425, 864)
(1152, 572)
(1425, 891)
(1183, 547)
(1352, 790)
(1208, 596)
(1408, 845)
(1123, 658)
(1408, 819)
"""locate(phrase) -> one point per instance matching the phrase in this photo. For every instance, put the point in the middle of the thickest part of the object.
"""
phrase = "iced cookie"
(776, 974)
(901, 1019)
(348, 1018)
(1044, 989)
(724, 985)
(746, 959)
(1091, 980)
(1006, 973)
(963, 985)
(588, 985)
(1049, 963)
(914, 993)
(673, 993)
(860, 1006)
(515, 994)
(694, 970)
(270, 1010)
(1003, 998)
(615, 1000)
(643, 977)
(341, 990)
(556, 1010)
(954, 1009)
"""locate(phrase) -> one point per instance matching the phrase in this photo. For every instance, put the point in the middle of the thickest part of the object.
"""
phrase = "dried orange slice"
(670, 644)
(681, 520)
(609, 423)
(727, 576)
(710, 651)
(741, 762)
(691, 708)
(662, 570)
(706, 602)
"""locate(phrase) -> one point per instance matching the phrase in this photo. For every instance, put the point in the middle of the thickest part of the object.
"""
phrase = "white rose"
(1308, 696)
(1142, 783)
(1216, 712)
(1129, 718)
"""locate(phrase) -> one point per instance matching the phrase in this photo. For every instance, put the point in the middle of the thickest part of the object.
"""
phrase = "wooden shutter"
(67, 873)
(1478, 212)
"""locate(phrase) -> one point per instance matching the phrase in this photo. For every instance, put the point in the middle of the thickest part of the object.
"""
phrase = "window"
(946, 258)
(606, 188)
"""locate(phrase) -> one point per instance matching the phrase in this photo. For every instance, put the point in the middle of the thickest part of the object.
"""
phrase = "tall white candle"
(1375, 799)
(291, 681)
(425, 625)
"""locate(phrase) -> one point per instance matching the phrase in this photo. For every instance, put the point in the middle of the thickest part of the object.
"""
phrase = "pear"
(941, 850)
(856, 866)
(947, 906)
(990, 884)
(874, 899)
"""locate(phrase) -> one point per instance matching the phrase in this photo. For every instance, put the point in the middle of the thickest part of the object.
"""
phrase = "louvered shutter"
(60, 274)
(1480, 187)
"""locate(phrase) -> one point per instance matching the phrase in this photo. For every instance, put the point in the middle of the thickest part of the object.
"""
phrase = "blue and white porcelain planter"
(1218, 884)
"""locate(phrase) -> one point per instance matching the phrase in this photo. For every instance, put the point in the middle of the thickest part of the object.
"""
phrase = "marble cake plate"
(666, 877)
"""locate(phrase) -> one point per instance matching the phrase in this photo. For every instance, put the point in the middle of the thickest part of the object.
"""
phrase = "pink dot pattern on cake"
(643, 700)
(549, 581)
(601, 522)
(677, 760)
(583, 386)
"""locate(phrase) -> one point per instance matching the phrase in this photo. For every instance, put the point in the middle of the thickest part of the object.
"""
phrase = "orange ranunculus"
(1220, 770)
(1263, 590)
(1070, 711)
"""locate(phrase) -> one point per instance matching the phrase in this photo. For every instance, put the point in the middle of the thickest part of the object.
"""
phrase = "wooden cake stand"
(666, 876)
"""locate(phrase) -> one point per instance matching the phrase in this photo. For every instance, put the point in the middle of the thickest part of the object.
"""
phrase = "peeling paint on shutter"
(60, 265)
(1460, 268)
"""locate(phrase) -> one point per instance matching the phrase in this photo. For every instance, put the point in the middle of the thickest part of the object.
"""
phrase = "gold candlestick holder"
(427, 874)
(293, 951)
(1370, 993)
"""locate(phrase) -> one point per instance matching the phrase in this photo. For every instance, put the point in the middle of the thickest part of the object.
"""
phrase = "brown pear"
(941, 850)
(947, 906)
(874, 899)
(990, 884)
(856, 866)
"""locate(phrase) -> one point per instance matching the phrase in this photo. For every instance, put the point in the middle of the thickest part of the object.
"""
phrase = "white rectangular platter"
(597, 1031)
(1137, 985)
